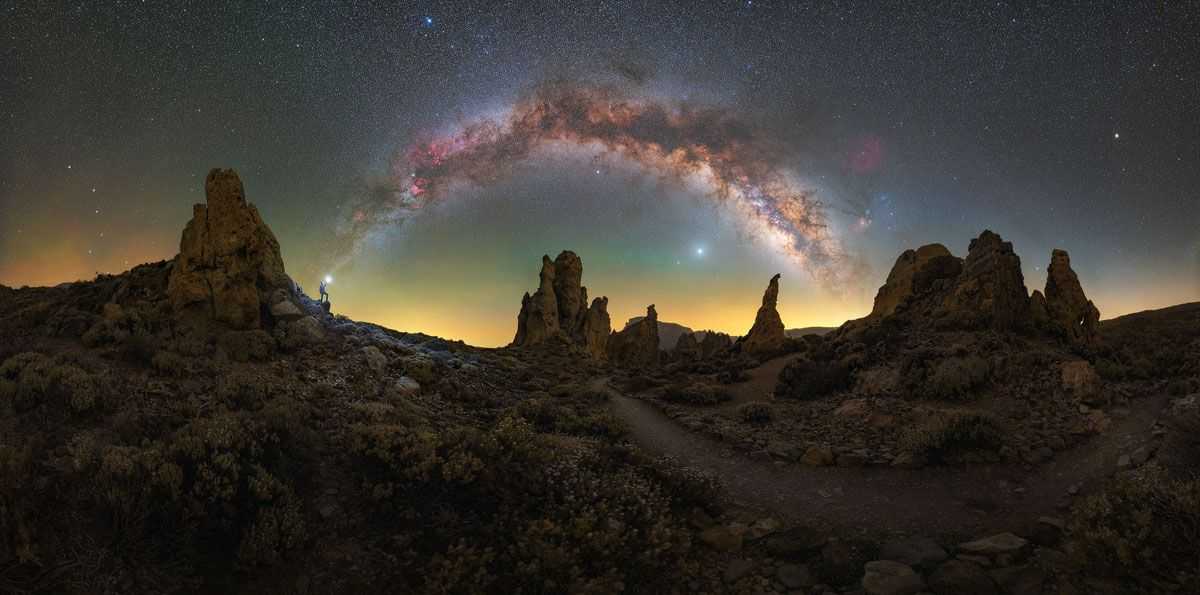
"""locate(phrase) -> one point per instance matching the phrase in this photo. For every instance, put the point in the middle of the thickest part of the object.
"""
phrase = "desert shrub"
(77, 387)
(1144, 527)
(139, 347)
(420, 369)
(508, 510)
(169, 364)
(755, 412)
(562, 416)
(949, 434)
(957, 377)
(1180, 451)
(104, 332)
(696, 394)
(247, 346)
(1111, 370)
(805, 379)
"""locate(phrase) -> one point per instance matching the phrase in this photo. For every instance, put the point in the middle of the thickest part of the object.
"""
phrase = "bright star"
(699, 251)
(1116, 135)
(428, 21)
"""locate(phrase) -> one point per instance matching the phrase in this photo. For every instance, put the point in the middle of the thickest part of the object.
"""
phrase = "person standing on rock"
(322, 289)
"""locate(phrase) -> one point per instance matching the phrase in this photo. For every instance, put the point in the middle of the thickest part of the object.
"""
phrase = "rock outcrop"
(558, 309)
(637, 344)
(229, 268)
(687, 348)
(990, 290)
(913, 274)
(1068, 311)
(714, 343)
(767, 335)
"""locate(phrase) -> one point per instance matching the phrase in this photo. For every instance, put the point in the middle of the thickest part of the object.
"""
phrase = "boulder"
(1068, 311)
(914, 272)
(914, 551)
(558, 309)
(637, 344)
(228, 262)
(767, 336)
(885, 577)
(958, 576)
(1080, 380)
(1003, 543)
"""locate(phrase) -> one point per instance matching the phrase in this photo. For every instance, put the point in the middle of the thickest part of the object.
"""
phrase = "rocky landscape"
(202, 425)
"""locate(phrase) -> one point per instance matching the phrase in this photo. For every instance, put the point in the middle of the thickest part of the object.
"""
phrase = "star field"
(1057, 127)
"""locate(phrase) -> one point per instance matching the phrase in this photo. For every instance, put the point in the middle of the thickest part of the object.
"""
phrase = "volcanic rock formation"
(229, 268)
(714, 343)
(1067, 309)
(990, 290)
(914, 273)
(558, 309)
(637, 344)
(767, 334)
(687, 348)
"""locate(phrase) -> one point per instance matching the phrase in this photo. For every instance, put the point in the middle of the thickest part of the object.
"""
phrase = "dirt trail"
(931, 501)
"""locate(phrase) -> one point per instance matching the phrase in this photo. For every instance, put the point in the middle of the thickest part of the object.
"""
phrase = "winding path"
(931, 501)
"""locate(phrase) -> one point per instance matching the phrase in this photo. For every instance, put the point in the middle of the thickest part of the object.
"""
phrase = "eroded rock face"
(687, 348)
(637, 344)
(714, 343)
(596, 328)
(914, 272)
(558, 308)
(990, 290)
(1068, 311)
(767, 335)
(229, 264)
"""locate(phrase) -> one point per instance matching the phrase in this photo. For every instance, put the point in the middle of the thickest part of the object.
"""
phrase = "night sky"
(427, 154)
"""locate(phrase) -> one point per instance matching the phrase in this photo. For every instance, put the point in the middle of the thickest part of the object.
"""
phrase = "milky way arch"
(676, 140)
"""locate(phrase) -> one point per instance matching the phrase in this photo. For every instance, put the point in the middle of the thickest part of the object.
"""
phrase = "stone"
(762, 528)
(305, 331)
(1048, 531)
(1080, 380)
(794, 543)
(558, 309)
(957, 577)
(722, 538)
(1069, 312)
(766, 336)
(919, 552)
(286, 311)
(1002, 543)
(885, 577)
(637, 344)
(817, 456)
(1026, 579)
(738, 569)
(375, 359)
(795, 576)
(229, 262)
(913, 273)
(406, 386)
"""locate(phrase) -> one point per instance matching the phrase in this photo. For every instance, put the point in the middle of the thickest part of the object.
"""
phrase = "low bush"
(1180, 451)
(949, 434)
(548, 414)
(1144, 528)
(696, 394)
(511, 510)
(755, 412)
(805, 379)
(957, 377)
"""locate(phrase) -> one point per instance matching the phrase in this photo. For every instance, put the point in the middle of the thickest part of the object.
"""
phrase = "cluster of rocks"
(985, 290)
(688, 348)
(765, 557)
(637, 344)
(558, 310)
